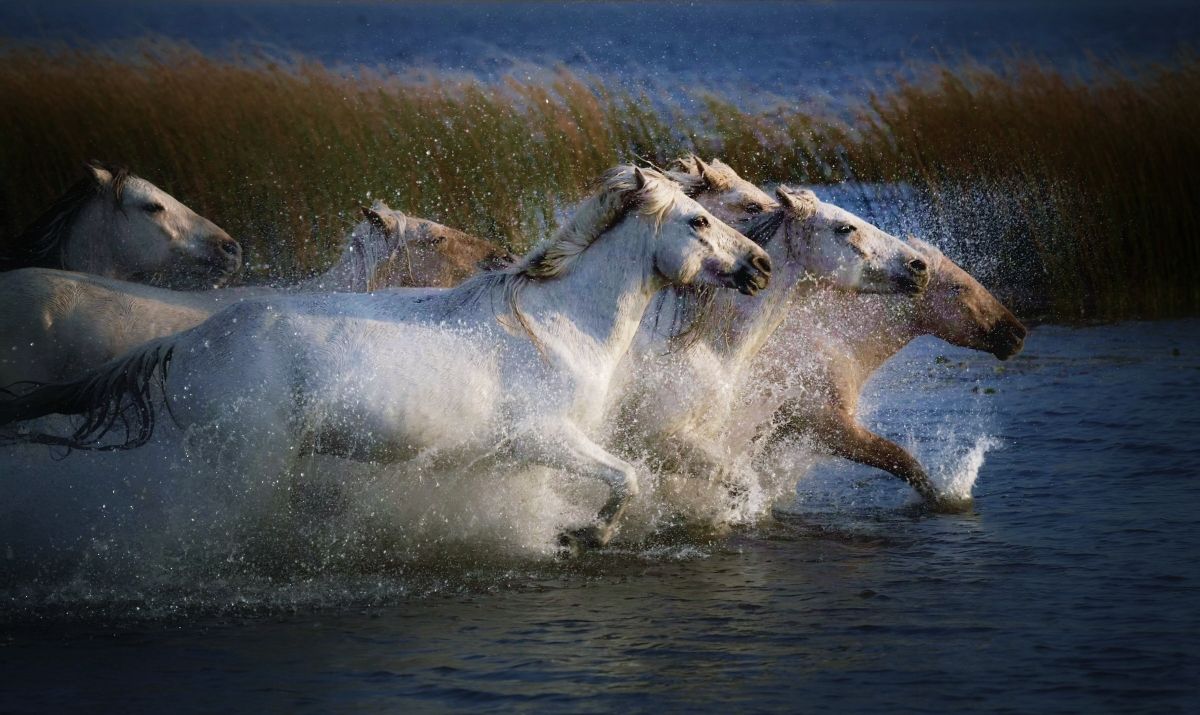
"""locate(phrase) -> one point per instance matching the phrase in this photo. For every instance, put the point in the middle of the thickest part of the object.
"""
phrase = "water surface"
(1071, 586)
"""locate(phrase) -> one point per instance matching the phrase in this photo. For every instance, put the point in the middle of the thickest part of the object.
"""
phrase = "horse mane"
(615, 194)
(121, 391)
(40, 244)
(386, 236)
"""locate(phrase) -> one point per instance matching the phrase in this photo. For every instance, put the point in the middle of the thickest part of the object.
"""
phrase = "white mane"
(617, 193)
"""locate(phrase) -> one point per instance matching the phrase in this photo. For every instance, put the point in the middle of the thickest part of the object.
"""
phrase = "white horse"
(515, 362)
(833, 342)
(689, 365)
(720, 189)
(59, 324)
(117, 225)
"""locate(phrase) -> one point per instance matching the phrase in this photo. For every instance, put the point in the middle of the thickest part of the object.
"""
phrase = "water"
(1071, 585)
(765, 51)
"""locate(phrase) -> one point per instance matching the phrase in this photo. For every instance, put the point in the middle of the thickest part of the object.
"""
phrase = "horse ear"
(703, 170)
(687, 164)
(102, 176)
(384, 222)
(801, 204)
(639, 179)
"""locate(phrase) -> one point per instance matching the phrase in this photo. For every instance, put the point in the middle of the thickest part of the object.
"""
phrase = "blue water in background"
(759, 51)
(1072, 586)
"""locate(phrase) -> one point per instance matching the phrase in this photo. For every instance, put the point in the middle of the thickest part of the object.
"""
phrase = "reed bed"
(1077, 198)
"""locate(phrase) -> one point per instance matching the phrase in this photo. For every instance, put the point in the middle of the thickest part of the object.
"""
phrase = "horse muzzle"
(225, 255)
(915, 278)
(753, 275)
(1007, 339)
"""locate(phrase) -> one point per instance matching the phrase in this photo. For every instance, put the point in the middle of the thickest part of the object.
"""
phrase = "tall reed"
(1077, 197)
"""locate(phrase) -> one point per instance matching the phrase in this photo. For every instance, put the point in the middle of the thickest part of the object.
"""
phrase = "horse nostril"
(917, 266)
(231, 247)
(761, 263)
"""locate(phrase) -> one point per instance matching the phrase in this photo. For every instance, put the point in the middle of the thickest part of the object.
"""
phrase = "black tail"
(120, 391)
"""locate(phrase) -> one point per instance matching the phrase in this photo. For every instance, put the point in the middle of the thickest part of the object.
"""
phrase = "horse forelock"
(41, 244)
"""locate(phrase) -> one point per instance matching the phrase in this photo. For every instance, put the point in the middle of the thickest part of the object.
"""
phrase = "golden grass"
(1095, 179)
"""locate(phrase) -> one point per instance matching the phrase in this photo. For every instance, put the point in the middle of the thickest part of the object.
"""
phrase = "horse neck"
(356, 267)
(88, 245)
(751, 320)
(870, 328)
(598, 302)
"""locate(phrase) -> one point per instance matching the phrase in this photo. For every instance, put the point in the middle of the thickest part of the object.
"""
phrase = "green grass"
(1091, 188)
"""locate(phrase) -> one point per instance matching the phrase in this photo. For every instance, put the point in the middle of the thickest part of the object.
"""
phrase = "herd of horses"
(678, 319)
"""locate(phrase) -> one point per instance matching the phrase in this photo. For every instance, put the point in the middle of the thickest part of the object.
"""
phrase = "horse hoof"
(949, 504)
(576, 541)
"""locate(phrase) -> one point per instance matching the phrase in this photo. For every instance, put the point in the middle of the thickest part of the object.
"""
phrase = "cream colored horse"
(117, 225)
(58, 324)
(832, 343)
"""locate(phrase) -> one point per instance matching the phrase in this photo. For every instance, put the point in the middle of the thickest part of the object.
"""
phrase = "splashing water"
(954, 479)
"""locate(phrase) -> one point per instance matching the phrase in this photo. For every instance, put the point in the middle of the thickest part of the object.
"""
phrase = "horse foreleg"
(846, 438)
(564, 446)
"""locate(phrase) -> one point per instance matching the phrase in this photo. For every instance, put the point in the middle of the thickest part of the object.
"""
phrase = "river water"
(1071, 585)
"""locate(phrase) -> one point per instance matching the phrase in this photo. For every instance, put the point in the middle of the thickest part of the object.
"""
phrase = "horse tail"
(119, 391)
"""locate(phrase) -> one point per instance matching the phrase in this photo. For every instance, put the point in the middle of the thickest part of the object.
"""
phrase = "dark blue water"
(1072, 586)
(754, 50)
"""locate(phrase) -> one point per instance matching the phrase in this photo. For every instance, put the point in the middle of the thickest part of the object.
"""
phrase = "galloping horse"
(833, 342)
(114, 224)
(511, 362)
(686, 374)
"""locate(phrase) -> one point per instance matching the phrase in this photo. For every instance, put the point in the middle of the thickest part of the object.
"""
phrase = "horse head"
(431, 254)
(840, 248)
(144, 231)
(693, 245)
(721, 190)
(958, 309)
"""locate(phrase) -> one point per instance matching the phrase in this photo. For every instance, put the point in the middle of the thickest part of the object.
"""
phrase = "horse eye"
(753, 209)
(844, 229)
(698, 222)
(958, 289)
(153, 207)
